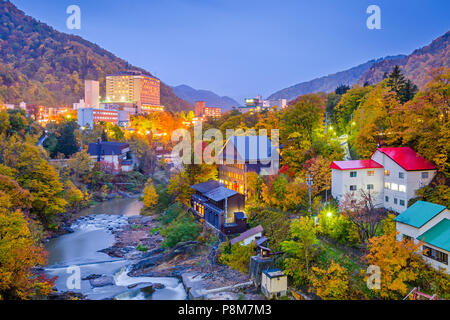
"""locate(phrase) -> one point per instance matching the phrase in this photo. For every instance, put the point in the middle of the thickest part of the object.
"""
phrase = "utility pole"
(310, 183)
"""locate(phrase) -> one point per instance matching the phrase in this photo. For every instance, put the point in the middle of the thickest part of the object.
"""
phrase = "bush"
(237, 256)
(182, 229)
(173, 212)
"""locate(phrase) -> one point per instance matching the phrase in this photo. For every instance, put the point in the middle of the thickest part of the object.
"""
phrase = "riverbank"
(190, 260)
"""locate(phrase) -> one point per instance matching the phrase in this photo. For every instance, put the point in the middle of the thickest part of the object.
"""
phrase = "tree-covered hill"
(40, 65)
(416, 66)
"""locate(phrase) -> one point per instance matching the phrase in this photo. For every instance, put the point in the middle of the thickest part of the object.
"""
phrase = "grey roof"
(106, 148)
(274, 273)
(205, 187)
(220, 193)
(261, 240)
(250, 148)
(247, 234)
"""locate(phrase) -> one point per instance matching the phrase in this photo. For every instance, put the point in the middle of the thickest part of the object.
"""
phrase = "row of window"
(401, 175)
(199, 208)
(354, 174)
(369, 187)
(435, 255)
(394, 186)
(396, 201)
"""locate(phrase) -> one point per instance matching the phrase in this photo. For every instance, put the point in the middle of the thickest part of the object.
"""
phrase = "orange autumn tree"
(399, 262)
(19, 255)
(332, 283)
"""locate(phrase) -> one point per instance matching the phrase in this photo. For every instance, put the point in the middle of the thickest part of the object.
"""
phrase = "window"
(352, 188)
(387, 173)
(402, 203)
(353, 174)
(435, 255)
(395, 201)
(386, 199)
(401, 175)
(370, 173)
(424, 175)
(407, 238)
(387, 185)
(402, 188)
(394, 186)
(370, 187)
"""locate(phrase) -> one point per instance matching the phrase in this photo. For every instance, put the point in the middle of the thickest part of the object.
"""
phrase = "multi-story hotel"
(199, 108)
(131, 87)
(210, 112)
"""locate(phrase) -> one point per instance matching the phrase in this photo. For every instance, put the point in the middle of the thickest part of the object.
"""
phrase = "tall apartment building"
(92, 94)
(199, 108)
(130, 87)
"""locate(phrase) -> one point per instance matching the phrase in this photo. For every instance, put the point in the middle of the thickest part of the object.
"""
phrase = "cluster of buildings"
(114, 157)
(127, 93)
(221, 203)
(392, 177)
(258, 104)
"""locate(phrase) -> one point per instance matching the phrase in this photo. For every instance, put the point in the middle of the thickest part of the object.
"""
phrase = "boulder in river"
(92, 277)
(102, 282)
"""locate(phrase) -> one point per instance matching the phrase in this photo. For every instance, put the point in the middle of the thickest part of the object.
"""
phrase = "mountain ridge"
(415, 66)
(330, 82)
(212, 99)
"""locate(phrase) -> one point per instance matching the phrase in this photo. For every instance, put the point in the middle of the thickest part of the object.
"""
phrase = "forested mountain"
(43, 66)
(328, 83)
(212, 99)
(416, 66)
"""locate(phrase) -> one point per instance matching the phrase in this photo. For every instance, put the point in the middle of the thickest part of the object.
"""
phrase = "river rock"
(102, 282)
(92, 277)
(158, 286)
(148, 290)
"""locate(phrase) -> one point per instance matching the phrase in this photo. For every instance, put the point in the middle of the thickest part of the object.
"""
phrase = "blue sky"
(242, 48)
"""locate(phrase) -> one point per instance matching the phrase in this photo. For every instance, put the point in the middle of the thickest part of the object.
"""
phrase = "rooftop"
(220, 193)
(274, 273)
(204, 187)
(439, 235)
(250, 148)
(107, 148)
(247, 234)
(419, 213)
(355, 165)
(408, 159)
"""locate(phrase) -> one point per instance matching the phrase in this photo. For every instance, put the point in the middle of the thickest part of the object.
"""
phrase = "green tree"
(300, 249)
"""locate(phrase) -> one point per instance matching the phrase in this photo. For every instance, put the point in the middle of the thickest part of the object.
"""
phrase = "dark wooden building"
(220, 207)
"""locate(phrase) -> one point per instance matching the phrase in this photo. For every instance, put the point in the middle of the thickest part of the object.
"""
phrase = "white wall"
(341, 182)
(410, 181)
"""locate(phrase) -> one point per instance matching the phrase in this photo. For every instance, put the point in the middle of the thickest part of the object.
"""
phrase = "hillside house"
(429, 223)
(392, 176)
(114, 156)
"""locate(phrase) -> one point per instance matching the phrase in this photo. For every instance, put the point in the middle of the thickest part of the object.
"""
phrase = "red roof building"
(408, 159)
(355, 165)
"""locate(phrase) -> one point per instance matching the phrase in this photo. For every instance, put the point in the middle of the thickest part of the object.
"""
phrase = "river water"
(80, 249)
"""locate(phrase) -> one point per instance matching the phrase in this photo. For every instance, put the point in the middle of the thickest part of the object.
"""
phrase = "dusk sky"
(242, 48)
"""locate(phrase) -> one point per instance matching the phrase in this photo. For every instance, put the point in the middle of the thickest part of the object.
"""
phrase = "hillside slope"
(328, 83)
(50, 66)
(212, 99)
(416, 66)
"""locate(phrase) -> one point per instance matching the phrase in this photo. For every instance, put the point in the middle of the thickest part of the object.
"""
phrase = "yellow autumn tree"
(150, 195)
(332, 283)
(399, 263)
(18, 255)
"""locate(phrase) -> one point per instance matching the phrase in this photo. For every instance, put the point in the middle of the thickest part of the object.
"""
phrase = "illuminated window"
(387, 185)
(394, 186)
(402, 188)
(387, 173)
(371, 173)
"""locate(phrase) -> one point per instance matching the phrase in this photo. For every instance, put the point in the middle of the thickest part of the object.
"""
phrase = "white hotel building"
(392, 176)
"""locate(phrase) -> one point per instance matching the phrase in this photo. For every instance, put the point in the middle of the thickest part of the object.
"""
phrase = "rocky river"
(105, 276)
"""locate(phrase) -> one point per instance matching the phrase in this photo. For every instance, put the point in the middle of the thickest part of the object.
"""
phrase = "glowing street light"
(329, 214)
